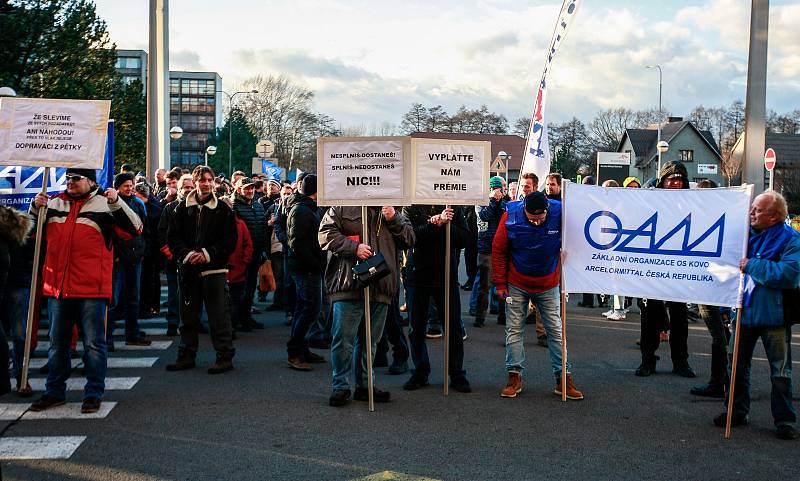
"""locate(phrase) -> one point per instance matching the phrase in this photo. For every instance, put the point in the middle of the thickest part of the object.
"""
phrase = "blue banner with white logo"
(272, 171)
(19, 185)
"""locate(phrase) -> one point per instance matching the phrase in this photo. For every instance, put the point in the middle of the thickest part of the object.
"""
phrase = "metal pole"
(756, 97)
(771, 177)
(563, 300)
(447, 261)
(367, 313)
(40, 220)
(206, 157)
(230, 137)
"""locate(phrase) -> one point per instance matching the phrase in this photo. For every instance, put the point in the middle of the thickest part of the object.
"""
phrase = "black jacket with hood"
(302, 226)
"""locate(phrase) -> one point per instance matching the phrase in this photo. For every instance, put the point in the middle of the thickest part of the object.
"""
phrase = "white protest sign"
(674, 245)
(53, 132)
(363, 171)
(451, 171)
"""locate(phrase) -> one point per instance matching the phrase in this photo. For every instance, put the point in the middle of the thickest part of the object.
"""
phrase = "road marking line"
(112, 363)
(39, 447)
(12, 411)
(754, 358)
(393, 476)
(121, 346)
(77, 383)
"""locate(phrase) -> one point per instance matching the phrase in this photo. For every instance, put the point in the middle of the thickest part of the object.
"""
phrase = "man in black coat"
(306, 261)
(201, 237)
(255, 217)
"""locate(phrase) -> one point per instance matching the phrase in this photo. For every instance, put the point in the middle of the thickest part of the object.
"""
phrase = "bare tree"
(415, 119)
(436, 120)
(521, 126)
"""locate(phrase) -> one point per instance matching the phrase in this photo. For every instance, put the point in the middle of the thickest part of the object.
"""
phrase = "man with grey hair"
(772, 274)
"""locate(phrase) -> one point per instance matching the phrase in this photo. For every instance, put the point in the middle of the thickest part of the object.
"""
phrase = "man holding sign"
(81, 223)
(772, 273)
(525, 268)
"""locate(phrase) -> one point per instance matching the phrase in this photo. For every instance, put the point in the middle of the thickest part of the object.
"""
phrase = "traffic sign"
(498, 165)
(265, 149)
(769, 159)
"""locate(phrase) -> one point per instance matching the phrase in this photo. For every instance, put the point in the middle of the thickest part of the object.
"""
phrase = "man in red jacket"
(526, 267)
(80, 227)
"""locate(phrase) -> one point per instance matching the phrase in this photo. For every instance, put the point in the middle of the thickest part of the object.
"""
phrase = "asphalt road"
(264, 421)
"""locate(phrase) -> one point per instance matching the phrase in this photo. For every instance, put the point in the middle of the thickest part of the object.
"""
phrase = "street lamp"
(7, 92)
(660, 115)
(662, 147)
(503, 156)
(175, 133)
(230, 124)
(210, 150)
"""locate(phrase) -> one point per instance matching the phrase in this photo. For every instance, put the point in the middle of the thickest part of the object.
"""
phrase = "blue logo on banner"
(648, 231)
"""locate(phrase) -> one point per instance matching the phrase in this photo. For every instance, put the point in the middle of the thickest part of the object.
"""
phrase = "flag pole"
(735, 361)
(367, 314)
(37, 250)
(563, 300)
(447, 261)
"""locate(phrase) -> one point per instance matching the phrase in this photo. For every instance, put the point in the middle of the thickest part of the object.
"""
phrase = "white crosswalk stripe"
(150, 331)
(39, 447)
(77, 383)
(120, 346)
(12, 411)
(113, 362)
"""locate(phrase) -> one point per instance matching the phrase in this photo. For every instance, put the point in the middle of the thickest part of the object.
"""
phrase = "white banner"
(53, 132)
(362, 171)
(537, 147)
(451, 171)
(674, 245)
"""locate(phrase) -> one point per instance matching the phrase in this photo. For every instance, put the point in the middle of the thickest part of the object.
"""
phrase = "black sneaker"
(722, 419)
(415, 382)
(90, 405)
(479, 322)
(684, 370)
(362, 394)
(433, 333)
(46, 402)
(398, 367)
(172, 331)
(460, 384)
(709, 390)
(786, 432)
(312, 358)
(646, 369)
(339, 398)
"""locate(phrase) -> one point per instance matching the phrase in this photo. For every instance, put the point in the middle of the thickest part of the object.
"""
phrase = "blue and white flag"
(272, 171)
(537, 147)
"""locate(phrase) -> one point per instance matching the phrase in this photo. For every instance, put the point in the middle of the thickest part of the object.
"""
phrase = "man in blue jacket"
(772, 271)
(488, 219)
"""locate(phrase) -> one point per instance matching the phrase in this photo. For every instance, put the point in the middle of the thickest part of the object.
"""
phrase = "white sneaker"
(608, 313)
(617, 316)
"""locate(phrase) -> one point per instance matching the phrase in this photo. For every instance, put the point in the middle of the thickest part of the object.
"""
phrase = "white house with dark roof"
(696, 148)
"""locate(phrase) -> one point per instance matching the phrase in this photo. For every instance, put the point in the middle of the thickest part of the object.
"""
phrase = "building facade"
(195, 105)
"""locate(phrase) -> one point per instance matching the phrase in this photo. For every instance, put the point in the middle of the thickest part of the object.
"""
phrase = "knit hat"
(142, 188)
(536, 203)
(496, 182)
(90, 174)
(121, 178)
(629, 180)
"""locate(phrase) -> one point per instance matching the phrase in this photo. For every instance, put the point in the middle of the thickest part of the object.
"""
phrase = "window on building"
(174, 86)
(686, 156)
(128, 62)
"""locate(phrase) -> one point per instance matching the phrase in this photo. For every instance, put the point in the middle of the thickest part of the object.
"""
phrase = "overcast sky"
(368, 61)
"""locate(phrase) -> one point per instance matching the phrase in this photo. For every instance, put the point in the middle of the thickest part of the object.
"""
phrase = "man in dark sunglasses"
(80, 226)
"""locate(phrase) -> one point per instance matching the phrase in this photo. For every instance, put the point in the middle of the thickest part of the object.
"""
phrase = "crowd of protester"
(223, 243)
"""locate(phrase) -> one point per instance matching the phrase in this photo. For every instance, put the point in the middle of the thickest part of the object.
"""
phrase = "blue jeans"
(15, 307)
(549, 305)
(125, 301)
(308, 288)
(348, 330)
(173, 302)
(90, 314)
(777, 345)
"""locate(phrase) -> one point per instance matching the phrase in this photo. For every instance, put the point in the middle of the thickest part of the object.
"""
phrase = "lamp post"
(660, 114)
(662, 147)
(175, 133)
(230, 124)
(210, 150)
(503, 156)
(7, 92)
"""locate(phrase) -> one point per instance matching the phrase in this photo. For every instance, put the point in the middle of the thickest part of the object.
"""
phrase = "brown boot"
(572, 391)
(513, 386)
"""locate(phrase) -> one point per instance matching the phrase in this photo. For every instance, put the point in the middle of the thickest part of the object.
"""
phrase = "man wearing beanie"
(488, 220)
(128, 255)
(306, 263)
(76, 279)
(526, 267)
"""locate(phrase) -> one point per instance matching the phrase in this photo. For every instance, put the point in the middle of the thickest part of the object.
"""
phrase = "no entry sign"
(769, 159)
